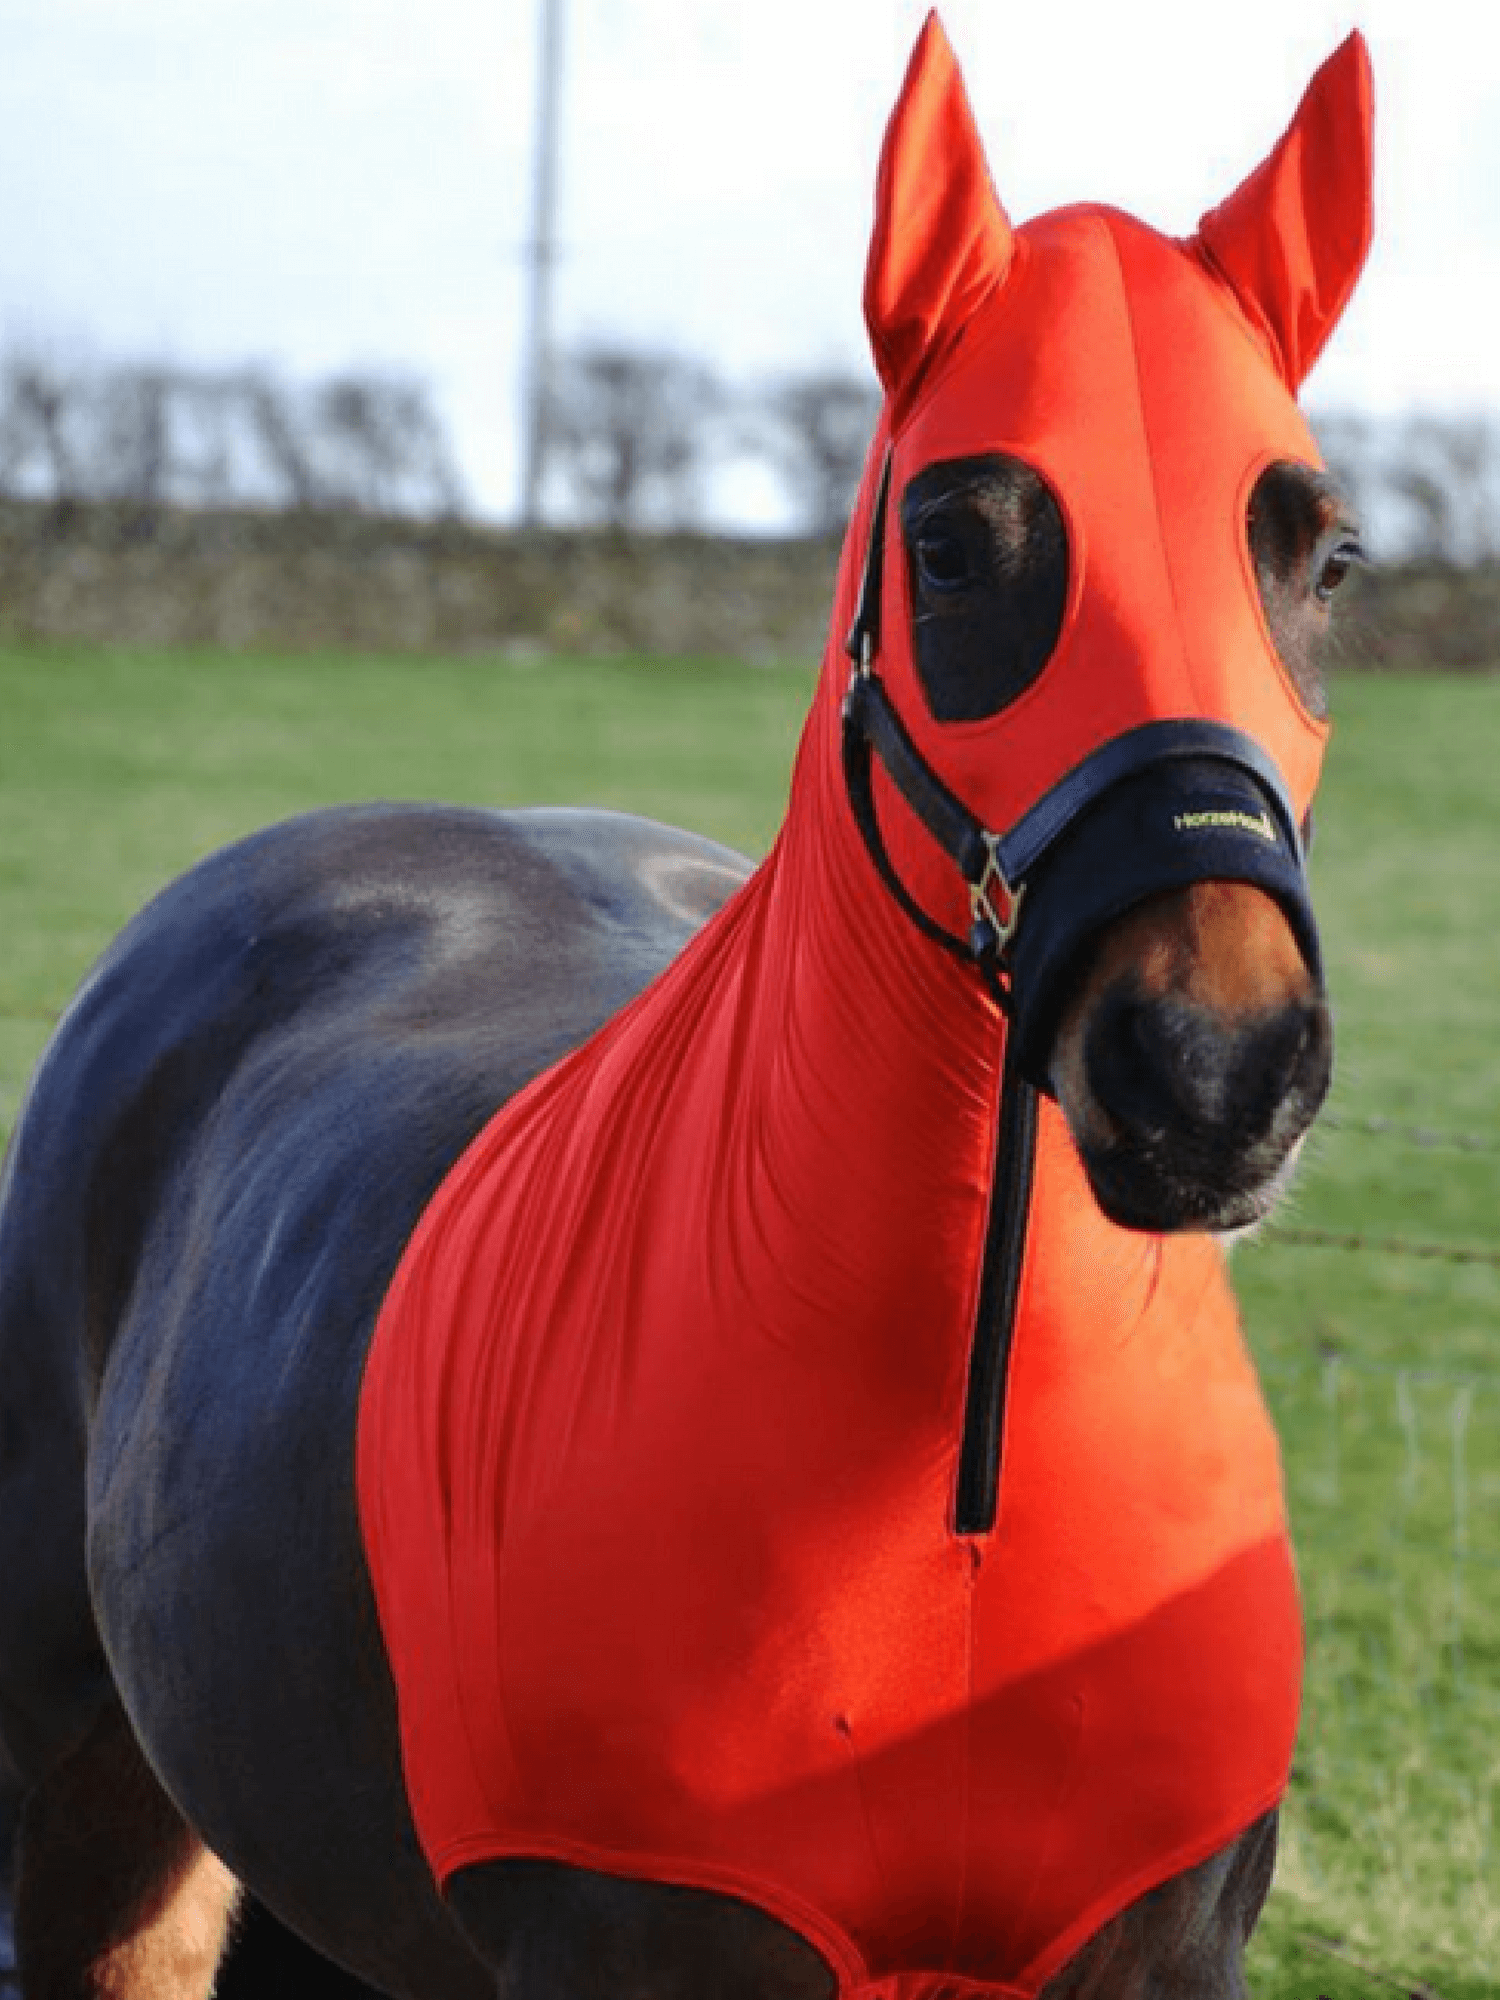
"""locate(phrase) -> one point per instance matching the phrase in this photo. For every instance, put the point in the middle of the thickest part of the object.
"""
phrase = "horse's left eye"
(1336, 567)
(943, 559)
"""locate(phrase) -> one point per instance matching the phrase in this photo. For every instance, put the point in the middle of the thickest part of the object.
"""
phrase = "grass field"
(1374, 1307)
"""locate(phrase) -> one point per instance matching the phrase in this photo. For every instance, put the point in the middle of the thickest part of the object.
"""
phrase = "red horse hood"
(659, 1434)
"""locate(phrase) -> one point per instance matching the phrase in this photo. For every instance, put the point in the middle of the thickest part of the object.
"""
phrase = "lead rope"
(871, 725)
(976, 1496)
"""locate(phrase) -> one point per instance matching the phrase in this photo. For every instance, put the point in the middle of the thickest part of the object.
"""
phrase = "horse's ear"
(942, 241)
(1291, 241)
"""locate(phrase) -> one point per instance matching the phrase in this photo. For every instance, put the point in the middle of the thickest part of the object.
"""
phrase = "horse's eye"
(1336, 567)
(943, 559)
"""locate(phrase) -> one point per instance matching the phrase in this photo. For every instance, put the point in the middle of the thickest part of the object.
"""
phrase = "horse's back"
(220, 1161)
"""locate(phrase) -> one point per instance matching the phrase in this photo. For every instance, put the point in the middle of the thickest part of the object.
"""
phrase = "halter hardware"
(994, 921)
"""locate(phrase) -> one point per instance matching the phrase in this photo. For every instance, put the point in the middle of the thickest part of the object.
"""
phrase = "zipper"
(977, 1493)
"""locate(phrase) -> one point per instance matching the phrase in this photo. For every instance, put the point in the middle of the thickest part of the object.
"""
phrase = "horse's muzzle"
(1194, 1121)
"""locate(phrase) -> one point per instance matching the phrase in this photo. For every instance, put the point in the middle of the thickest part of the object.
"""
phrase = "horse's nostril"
(1160, 1065)
(1286, 1060)
(1142, 1068)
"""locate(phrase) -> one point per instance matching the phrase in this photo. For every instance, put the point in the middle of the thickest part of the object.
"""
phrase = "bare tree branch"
(815, 430)
(1427, 485)
(628, 435)
(1446, 471)
(152, 435)
(39, 442)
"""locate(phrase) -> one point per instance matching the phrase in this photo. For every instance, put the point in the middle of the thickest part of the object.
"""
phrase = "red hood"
(659, 1433)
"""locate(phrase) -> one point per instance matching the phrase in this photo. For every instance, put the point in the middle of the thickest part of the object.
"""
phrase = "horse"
(578, 1416)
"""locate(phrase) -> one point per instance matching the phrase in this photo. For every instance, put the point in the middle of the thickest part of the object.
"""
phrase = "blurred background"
(595, 264)
(461, 399)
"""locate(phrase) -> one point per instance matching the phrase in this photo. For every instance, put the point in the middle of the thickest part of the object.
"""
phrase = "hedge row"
(338, 580)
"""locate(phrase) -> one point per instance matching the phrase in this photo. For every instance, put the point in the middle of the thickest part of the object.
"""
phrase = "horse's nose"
(1162, 1067)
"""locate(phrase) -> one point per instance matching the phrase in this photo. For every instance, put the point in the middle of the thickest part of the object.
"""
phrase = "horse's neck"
(856, 1068)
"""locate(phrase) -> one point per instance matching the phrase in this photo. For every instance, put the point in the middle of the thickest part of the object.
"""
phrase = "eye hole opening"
(1304, 541)
(1303, 534)
(987, 568)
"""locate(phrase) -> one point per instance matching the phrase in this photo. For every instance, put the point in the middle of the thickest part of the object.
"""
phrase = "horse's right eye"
(943, 559)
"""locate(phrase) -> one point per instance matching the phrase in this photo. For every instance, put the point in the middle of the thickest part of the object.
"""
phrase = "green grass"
(118, 769)
(1393, 1456)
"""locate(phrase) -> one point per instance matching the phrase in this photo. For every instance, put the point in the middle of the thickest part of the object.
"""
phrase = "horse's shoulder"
(373, 920)
(325, 1012)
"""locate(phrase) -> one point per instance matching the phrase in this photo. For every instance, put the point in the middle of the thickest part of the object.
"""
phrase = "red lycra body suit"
(659, 1433)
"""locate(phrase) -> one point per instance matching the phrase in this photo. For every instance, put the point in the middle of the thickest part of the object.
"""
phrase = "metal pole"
(541, 256)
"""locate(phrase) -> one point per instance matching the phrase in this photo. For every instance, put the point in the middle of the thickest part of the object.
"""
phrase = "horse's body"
(229, 1142)
(800, 1204)
(310, 1027)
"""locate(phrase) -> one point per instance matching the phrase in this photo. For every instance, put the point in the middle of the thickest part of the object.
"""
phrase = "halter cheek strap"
(872, 727)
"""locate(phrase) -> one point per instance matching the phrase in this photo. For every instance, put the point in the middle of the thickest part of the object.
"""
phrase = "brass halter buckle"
(994, 906)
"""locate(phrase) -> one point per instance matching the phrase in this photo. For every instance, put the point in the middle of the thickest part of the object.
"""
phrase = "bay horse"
(578, 1418)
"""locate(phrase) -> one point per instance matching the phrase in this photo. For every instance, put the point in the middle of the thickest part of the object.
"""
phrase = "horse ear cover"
(1291, 241)
(942, 243)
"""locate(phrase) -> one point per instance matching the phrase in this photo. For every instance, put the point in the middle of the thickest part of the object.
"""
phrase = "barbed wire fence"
(1393, 1482)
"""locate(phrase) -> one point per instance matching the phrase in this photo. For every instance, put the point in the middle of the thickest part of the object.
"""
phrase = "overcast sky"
(320, 183)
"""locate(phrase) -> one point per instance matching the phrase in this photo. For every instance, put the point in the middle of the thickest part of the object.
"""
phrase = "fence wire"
(1297, 1236)
(1426, 1136)
(1393, 1482)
